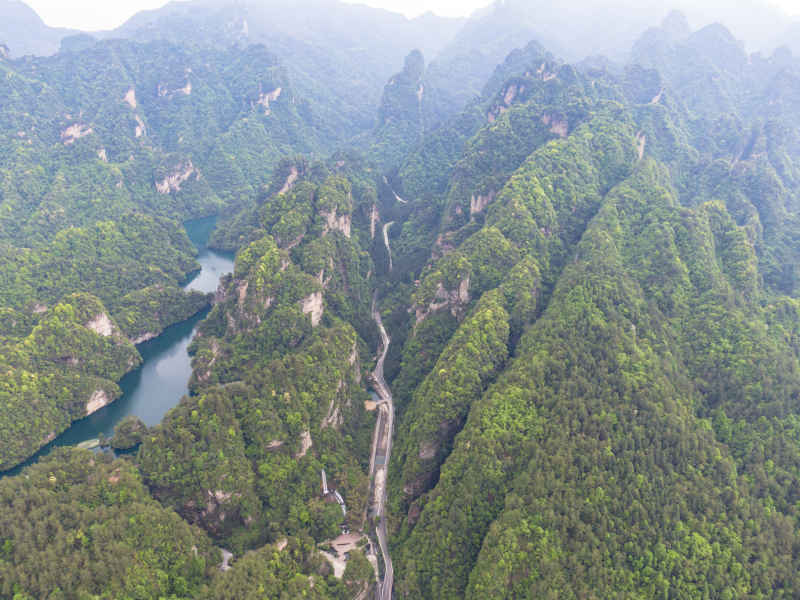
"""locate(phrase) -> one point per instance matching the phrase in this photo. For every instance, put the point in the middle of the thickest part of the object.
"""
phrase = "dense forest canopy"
(504, 321)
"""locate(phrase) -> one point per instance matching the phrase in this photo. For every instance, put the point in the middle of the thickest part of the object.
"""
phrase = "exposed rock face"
(102, 155)
(334, 222)
(495, 113)
(477, 204)
(455, 300)
(374, 219)
(290, 180)
(657, 98)
(75, 132)
(130, 98)
(427, 450)
(511, 93)
(164, 91)
(101, 325)
(206, 374)
(140, 128)
(557, 123)
(226, 560)
(144, 338)
(314, 306)
(305, 444)
(173, 182)
(97, 401)
(241, 292)
(265, 98)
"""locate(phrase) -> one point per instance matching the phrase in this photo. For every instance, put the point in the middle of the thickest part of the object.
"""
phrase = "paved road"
(385, 429)
(386, 241)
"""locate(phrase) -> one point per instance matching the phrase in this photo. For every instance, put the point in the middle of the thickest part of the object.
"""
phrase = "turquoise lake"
(162, 379)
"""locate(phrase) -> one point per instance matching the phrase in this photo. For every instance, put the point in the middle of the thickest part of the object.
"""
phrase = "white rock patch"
(75, 132)
(97, 401)
(101, 325)
(173, 182)
(313, 305)
(130, 98)
(305, 444)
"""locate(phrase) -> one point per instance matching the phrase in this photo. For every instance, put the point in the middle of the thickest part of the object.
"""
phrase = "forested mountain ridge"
(588, 272)
(23, 32)
(105, 149)
(524, 469)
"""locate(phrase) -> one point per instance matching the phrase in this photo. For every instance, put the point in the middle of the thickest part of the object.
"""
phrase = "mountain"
(332, 49)
(584, 304)
(24, 32)
(507, 318)
(108, 147)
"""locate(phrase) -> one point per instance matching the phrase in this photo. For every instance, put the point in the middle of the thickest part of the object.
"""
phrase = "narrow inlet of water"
(162, 379)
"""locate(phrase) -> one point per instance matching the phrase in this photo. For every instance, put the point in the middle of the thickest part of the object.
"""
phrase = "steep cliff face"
(445, 287)
(401, 115)
(280, 353)
(68, 358)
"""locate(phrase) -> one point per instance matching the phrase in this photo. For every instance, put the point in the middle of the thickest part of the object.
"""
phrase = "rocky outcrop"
(102, 155)
(101, 325)
(313, 305)
(557, 123)
(290, 180)
(206, 374)
(130, 98)
(264, 99)
(511, 93)
(98, 400)
(140, 128)
(305, 444)
(427, 450)
(75, 132)
(477, 204)
(173, 181)
(374, 219)
(335, 222)
(454, 300)
(145, 337)
(164, 91)
(657, 98)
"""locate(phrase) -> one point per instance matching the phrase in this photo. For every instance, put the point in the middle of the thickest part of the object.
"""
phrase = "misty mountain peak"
(414, 65)
(676, 25)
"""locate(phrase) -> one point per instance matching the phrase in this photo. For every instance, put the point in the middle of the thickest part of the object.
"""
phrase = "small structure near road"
(333, 495)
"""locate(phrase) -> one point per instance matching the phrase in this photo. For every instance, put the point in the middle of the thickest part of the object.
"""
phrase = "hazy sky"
(107, 14)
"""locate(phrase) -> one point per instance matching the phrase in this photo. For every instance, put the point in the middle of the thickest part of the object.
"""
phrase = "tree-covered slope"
(629, 433)
(106, 147)
(277, 373)
(589, 274)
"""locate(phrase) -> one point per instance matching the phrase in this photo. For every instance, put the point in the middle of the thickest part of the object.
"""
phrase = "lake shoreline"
(161, 380)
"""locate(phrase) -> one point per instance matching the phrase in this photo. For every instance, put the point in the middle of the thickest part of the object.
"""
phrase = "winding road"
(382, 443)
(381, 451)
